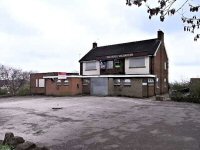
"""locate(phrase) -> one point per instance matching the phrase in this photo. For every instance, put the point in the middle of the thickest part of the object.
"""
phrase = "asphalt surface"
(95, 123)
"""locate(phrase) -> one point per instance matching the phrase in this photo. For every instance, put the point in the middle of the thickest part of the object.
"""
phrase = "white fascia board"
(63, 77)
(105, 76)
(89, 61)
(120, 76)
(157, 49)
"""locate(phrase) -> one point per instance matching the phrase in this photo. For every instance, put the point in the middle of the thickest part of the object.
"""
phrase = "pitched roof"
(145, 47)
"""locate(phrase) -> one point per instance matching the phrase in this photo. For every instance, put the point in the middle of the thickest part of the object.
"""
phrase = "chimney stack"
(160, 35)
(94, 45)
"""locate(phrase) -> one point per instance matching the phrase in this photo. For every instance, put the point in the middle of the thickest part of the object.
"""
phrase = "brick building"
(137, 69)
(55, 84)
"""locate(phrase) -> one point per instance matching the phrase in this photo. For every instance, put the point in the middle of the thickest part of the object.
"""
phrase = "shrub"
(23, 91)
(5, 147)
(3, 91)
(181, 92)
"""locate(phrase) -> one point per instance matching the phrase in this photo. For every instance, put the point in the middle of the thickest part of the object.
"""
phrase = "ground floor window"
(59, 82)
(157, 82)
(117, 82)
(86, 81)
(36, 83)
(66, 82)
(41, 83)
(127, 81)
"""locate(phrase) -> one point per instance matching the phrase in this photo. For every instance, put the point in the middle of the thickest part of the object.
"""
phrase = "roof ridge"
(126, 43)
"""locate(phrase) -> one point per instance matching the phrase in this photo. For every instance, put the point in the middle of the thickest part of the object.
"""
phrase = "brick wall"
(133, 90)
(73, 88)
(158, 67)
(33, 88)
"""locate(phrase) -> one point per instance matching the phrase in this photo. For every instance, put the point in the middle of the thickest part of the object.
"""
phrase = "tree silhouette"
(187, 9)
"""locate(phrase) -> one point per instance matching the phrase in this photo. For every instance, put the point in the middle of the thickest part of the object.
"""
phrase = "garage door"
(99, 86)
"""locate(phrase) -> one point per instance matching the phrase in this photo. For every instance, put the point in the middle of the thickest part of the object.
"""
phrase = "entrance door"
(99, 86)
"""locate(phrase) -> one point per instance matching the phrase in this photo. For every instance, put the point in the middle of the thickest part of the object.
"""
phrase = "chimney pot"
(94, 45)
(160, 35)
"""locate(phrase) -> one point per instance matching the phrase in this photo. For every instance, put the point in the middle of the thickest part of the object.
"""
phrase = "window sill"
(138, 67)
(127, 84)
(90, 69)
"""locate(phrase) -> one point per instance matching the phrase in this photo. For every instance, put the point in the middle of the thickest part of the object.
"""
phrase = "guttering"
(102, 76)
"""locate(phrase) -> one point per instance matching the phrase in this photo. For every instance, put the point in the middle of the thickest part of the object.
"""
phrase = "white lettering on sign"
(120, 56)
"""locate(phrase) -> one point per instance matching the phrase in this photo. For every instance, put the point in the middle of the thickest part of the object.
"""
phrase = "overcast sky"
(52, 35)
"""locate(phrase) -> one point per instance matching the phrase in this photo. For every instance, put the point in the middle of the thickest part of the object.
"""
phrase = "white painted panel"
(144, 70)
(91, 72)
(36, 83)
(41, 83)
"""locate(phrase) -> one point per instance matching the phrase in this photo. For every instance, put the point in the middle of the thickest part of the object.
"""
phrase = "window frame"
(90, 68)
(117, 63)
(58, 82)
(108, 63)
(117, 83)
(36, 82)
(41, 83)
(132, 59)
(86, 83)
(127, 83)
(66, 83)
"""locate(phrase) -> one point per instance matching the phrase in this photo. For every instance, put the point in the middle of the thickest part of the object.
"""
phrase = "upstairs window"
(90, 66)
(137, 62)
(109, 64)
(117, 63)
(103, 64)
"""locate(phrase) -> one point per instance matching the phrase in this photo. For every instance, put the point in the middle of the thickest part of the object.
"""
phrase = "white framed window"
(90, 65)
(157, 82)
(165, 65)
(36, 83)
(86, 81)
(150, 80)
(165, 80)
(103, 64)
(117, 82)
(58, 82)
(127, 81)
(137, 62)
(117, 63)
(41, 83)
(66, 82)
(109, 64)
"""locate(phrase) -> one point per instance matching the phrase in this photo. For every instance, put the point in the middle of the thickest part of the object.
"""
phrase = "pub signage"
(119, 56)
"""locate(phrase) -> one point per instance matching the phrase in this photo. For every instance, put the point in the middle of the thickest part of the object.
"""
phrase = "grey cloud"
(11, 26)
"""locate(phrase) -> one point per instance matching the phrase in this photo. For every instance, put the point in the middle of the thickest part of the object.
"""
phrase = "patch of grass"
(5, 147)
